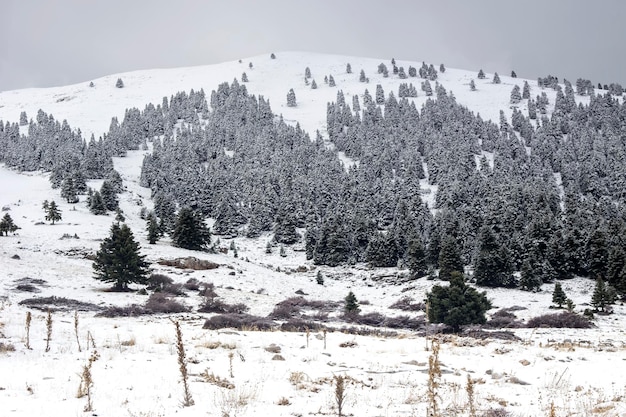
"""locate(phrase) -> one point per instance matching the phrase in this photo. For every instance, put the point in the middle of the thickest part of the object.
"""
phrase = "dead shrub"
(161, 303)
(133, 310)
(215, 305)
(560, 320)
(239, 322)
(504, 319)
(408, 304)
(192, 284)
(156, 282)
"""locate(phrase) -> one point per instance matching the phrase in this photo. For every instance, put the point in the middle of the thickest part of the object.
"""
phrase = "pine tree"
(291, 98)
(109, 196)
(416, 257)
(331, 81)
(457, 304)
(190, 232)
(351, 306)
(558, 296)
(472, 85)
(307, 72)
(313, 85)
(516, 95)
(601, 297)
(244, 78)
(7, 225)
(96, 204)
(53, 213)
(348, 68)
(272, 55)
(119, 83)
(481, 75)
(68, 190)
(449, 259)
(319, 278)
(118, 261)
(513, 74)
(154, 232)
(380, 94)
(362, 76)
(496, 78)
(442, 68)
(526, 90)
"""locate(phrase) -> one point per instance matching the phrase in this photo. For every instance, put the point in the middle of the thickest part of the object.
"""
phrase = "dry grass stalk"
(48, 331)
(308, 334)
(284, 401)
(86, 381)
(552, 410)
(187, 399)
(211, 378)
(231, 355)
(29, 318)
(470, 396)
(324, 339)
(76, 330)
(90, 340)
(434, 377)
(340, 393)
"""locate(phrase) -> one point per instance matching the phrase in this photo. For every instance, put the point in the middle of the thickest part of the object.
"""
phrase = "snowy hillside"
(247, 372)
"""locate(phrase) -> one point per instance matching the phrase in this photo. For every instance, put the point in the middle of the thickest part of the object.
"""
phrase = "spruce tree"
(457, 304)
(558, 296)
(190, 232)
(154, 232)
(291, 98)
(109, 196)
(472, 85)
(481, 75)
(496, 78)
(351, 306)
(449, 259)
(348, 68)
(96, 204)
(119, 83)
(53, 213)
(7, 225)
(319, 278)
(380, 94)
(118, 261)
(601, 297)
(68, 190)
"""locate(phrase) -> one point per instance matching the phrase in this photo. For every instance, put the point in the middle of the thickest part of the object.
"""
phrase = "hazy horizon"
(71, 41)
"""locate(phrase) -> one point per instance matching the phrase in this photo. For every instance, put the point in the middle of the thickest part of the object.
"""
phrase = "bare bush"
(192, 284)
(133, 310)
(215, 305)
(58, 304)
(408, 304)
(560, 320)
(174, 289)
(161, 303)
(504, 319)
(239, 322)
(156, 282)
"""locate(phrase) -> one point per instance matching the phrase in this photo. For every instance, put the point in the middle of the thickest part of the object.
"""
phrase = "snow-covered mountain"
(579, 371)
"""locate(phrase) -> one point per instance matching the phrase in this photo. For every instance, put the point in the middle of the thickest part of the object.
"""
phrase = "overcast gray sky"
(48, 43)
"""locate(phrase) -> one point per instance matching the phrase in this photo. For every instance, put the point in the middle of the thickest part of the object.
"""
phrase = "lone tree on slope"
(457, 304)
(53, 213)
(7, 225)
(118, 261)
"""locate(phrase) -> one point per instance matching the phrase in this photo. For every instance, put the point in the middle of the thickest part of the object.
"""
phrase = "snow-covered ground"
(137, 373)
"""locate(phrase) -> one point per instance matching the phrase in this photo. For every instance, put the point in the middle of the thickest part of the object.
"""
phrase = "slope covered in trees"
(532, 199)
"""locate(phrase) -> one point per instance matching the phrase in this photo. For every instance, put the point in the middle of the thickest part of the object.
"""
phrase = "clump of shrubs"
(156, 282)
(161, 303)
(504, 319)
(408, 304)
(238, 322)
(560, 320)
